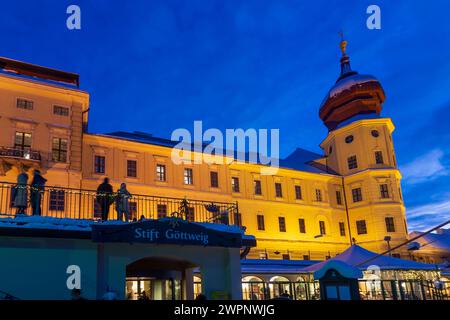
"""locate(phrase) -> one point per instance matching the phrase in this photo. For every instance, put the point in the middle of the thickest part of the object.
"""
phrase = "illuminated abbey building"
(314, 207)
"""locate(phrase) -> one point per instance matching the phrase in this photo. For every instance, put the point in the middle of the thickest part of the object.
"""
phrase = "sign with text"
(166, 231)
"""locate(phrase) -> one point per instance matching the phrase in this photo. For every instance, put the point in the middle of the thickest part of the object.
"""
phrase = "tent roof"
(356, 255)
(433, 241)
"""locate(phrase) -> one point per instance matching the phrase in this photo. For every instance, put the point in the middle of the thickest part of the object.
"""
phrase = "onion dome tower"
(353, 96)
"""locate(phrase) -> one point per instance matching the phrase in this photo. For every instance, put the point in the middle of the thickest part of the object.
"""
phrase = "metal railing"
(20, 153)
(82, 204)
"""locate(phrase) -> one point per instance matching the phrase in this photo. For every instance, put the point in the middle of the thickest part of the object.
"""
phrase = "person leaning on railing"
(123, 202)
(105, 197)
(36, 191)
(20, 193)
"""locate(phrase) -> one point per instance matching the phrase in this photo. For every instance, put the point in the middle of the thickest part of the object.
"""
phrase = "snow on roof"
(432, 241)
(39, 222)
(355, 255)
(300, 159)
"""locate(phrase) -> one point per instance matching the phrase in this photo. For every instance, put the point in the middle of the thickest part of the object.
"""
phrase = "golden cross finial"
(343, 44)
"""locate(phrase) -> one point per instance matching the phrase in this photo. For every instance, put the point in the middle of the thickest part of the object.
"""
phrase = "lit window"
(132, 168)
(235, 184)
(357, 195)
(59, 150)
(22, 141)
(188, 176)
(278, 190)
(161, 172)
(352, 162)
(361, 227)
(25, 104)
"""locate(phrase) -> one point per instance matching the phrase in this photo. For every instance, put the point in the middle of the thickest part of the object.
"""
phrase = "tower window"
(282, 224)
(260, 221)
(384, 191)
(338, 197)
(235, 184)
(375, 133)
(357, 195)
(278, 190)
(214, 176)
(361, 227)
(379, 157)
(390, 226)
(257, 187)
(349, 139)
(161, 172)
(298, 192)
(330, 149)
(301, 225)
(352, 162)
(342, 229)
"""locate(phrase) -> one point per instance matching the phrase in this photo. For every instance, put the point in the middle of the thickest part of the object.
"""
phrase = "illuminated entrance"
(159, 278)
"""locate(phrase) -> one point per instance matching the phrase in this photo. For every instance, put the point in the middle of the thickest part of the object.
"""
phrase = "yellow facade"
(78, 172)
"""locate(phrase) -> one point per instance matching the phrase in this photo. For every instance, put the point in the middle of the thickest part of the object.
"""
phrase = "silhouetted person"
(36, 192)
(20, 193)
(123, 202)
(105, 198)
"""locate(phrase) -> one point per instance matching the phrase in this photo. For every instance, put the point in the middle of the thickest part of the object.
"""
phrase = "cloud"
(425, 168)
(423, 217)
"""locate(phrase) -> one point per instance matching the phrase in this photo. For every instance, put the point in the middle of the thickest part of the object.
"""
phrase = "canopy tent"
(355, 255)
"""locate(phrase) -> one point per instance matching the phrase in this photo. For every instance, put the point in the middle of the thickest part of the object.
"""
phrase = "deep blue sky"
(159, 65)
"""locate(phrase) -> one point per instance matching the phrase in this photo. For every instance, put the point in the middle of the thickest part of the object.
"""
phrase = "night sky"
(155, 66)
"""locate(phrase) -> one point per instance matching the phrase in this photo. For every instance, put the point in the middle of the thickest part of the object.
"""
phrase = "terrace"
(80, 204)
